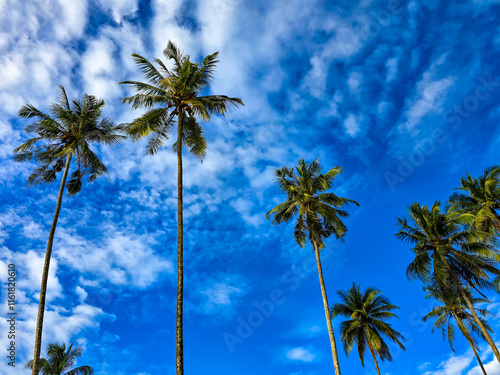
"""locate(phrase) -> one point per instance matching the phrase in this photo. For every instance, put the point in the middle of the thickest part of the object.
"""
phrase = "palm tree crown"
(482, 200)
(449, 251)
(176, 92)
(67, 133)
(61, 361)
(454, 308)
(319, 213)
(367, 312)
(444, 249)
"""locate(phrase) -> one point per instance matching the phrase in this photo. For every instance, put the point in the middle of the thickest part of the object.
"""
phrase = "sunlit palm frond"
(74, 126)
(320, 214)
(367, 311)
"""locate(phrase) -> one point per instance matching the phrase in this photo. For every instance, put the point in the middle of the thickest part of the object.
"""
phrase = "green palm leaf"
(60, 361)
(367, 312)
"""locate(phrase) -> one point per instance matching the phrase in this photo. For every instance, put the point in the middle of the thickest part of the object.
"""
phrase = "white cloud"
(452, 366)
(99, 69)
(71, 19)
(109, 337)
(461, 364)
(217, 296)
(424, 366)
(119, 8)
(352, 124)
(31, 263)
(492, 368)
(12, 71)
(165, 27)
(430, 97)
(316, 78)
(300, 354)
(220, 294)
(82, 294)
(34, 58)
(122, 259)
(392, 68)
(354, 81)
(216, 18)
(345, 43)
(244, 208)
(33, 230)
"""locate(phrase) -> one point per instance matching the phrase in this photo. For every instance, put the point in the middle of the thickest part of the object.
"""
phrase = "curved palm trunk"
(327, 311)
(45, 274)
(481, 326)
(374, 357)
(468, 338)
(179, 345)
(477, 357)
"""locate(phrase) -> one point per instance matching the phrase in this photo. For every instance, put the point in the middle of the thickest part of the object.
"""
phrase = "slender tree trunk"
(481, 326)
(327, 311)
(469, 340)
(477, 357)
(374, 357)
(45, 274)
(179, 346)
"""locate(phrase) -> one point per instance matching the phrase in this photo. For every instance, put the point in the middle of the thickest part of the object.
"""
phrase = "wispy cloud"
(300, 354)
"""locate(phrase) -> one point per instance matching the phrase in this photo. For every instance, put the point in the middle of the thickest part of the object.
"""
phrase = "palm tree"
(454, 308)
(60, 361)
(62, 139)
(319, 215)
(367, 312)
(482, 200)
(448, 254)
(169, 95)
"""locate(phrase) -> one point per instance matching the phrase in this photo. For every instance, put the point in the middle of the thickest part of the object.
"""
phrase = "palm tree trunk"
(477, 356)
(374, 357)
(468, 338)
(327, 311)
(45, 274)
(179, 346)
(480, 324)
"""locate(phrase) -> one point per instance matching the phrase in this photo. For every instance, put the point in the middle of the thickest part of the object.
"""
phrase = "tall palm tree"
(367, 312)
(319, 215)
(446, 253)
(170, 95)
(62, 139)
(60, 361)
(482, 198)
(455, 309)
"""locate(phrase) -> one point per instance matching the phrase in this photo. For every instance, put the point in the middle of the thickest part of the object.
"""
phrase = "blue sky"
(403, 95)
